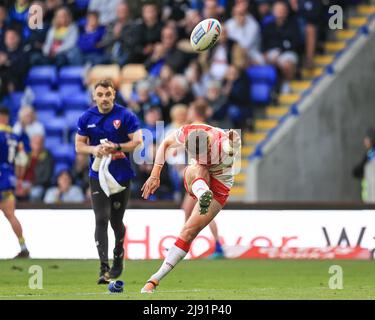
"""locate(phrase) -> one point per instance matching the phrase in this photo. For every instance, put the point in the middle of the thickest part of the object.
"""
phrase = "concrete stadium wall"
(312, 160)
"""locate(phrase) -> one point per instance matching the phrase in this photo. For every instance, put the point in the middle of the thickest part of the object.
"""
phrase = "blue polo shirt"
(115, 126)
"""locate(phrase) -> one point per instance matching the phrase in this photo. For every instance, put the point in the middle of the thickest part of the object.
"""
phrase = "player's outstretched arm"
(153, 182)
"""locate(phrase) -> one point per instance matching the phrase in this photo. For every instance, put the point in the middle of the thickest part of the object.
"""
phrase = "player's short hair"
(4, 111)
(106, 83)
(197, 142)
(200, 107)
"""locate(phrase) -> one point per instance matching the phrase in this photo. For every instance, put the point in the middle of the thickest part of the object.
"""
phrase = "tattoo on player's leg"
(36, 280)
(336, 281)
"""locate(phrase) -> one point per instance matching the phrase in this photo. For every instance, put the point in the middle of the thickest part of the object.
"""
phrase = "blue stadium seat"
(40, 89)
(56, 127)
(262, 74)
(71, 118)
(51, 142)
(71, 75)
(45, 116)
(64, 153)
(69, 89)
(260, 93)
(42, 75)
(47, 101)
(79, 101)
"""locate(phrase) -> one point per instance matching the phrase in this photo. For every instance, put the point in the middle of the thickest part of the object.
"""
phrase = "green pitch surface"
(199, 279)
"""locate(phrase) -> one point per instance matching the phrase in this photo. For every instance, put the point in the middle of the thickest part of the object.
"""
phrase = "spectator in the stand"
(264, 11)
(192, 18)
(281, 40)
(106, 9)
(28, 123)
(152, 116)
(179, 93)
(147, 32)
(3, 22)
(217, 99)
(244, 29)
(237, 88)
(211, 9)
(226, 52)
(61, 38)
(365, 170)
(65, 191)
(89, 48)
(51, 6)
(39, 172)
(162, 84)
(19, 15)
(37, 37)
(194, 75)
(143, 99)
(166, 52)
(79, 172)
(13, 63)
(118, 40)
(175, 10)
(308, 14)
(178, 117)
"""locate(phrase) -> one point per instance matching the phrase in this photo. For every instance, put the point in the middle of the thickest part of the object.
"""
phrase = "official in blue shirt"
(121, 128)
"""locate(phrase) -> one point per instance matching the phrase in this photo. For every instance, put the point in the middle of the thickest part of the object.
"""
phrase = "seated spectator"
(280, 43)
(65, 191)
(194, 76)
(264, 11)
(147, 32)
(61, 38)
(237, 89)
(13, 63)
(152, 116)
(106, 9)
(217, 99)
(143, 99)
(34, 43)
(118, 40)
(245, 30)
(175, 10)
(178, 117)
(166, 52)
(179, 93)
(28, 123)
(308, 15)
(80, 171)
(225, 53)
(211, 9)
(37, 177)
(88, 49)
(192, 18)
(19, 15)
(51, 6)
(162, 83)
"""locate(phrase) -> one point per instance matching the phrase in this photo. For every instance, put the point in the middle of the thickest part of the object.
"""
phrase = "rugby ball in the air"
(205, 34)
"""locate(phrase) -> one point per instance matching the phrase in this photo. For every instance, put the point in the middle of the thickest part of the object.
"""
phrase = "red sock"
(182, 245)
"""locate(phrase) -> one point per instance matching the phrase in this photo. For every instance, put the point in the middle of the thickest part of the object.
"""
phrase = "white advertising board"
(62, 234)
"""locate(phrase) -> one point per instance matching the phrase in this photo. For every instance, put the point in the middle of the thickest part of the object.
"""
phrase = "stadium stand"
(61, 92)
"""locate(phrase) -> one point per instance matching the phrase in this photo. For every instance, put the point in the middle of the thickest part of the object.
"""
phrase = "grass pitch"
(197, 279)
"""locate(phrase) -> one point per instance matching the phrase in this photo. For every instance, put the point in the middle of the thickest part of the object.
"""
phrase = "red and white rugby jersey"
(220, 164)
